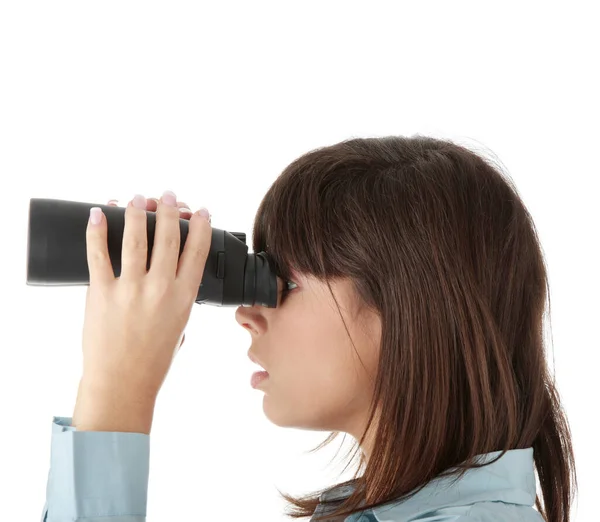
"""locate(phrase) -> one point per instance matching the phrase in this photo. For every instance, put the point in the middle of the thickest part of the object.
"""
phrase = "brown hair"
(438, 242)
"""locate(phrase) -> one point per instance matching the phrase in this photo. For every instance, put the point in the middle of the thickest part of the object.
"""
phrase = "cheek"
(316, 381)
(319, 360)
(318, 390)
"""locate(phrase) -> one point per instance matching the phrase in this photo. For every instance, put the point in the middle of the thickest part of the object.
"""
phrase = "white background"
(212, 100)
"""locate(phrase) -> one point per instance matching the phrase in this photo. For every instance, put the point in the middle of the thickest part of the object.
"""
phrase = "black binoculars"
(57, 254)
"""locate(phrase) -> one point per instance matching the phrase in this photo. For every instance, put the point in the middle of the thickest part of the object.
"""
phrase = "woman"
(412, 292)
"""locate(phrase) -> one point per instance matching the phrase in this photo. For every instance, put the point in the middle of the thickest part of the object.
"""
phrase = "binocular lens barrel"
(57, 254)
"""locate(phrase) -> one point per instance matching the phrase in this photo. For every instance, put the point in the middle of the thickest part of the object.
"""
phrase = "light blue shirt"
(98, 476)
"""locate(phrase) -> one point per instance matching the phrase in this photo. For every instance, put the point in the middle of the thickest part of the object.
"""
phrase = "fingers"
(152, 206)
(134, 255)
(133, 263)
(184, 210)
(167, 239)
(195, 252)
(99, 264)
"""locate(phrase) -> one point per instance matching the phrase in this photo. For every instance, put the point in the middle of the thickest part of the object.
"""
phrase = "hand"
(152, 206)
(134, 324)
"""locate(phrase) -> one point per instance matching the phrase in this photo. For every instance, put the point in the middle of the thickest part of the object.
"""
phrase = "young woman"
(412, 294)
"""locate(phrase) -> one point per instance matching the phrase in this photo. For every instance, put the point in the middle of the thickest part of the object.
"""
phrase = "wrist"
(105, 408)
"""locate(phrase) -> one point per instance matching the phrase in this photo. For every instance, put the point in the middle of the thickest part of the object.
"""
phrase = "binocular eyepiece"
(57, 254)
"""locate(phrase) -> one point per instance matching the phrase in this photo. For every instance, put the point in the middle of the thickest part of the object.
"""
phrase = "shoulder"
(478, 512)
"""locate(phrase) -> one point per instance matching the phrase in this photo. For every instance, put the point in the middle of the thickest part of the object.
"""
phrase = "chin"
(278, 415)
(286, 417)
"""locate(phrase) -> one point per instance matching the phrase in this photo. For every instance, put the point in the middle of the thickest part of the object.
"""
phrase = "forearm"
(110, 408)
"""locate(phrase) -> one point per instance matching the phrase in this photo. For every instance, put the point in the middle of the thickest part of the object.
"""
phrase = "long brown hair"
(437, 241)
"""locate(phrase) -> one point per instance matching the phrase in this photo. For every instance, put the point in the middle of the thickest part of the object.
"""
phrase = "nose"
(253, 317)
(243, 318)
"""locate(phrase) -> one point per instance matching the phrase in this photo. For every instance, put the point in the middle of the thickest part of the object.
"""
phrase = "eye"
(288, 286)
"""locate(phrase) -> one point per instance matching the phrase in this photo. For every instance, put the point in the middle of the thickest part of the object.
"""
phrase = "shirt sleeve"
(96, 476)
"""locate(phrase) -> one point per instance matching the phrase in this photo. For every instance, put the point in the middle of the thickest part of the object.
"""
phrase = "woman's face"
(316, 380)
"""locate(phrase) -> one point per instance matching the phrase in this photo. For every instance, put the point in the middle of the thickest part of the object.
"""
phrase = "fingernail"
(185, 209)
(169, 198)
(95, 215)
(115, 201)
(204, 213)
(139, 201)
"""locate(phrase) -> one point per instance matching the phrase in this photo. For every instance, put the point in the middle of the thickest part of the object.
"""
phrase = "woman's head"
(317, 380)
(416, 325)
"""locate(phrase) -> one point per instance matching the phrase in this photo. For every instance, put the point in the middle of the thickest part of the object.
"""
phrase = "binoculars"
(57, 254)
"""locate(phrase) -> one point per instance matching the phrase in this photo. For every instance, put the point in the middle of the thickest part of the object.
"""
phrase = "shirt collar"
(510, 479)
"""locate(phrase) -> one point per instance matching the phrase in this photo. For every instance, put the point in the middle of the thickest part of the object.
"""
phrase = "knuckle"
(136, 239)
(172, 242)
(131, 290)
(97, 257)
(135, 244)
(159, 289)
(171, 239)
(201, 244)
(200, 252)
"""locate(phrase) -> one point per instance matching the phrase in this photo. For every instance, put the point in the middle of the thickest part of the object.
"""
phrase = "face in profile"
(316, 379)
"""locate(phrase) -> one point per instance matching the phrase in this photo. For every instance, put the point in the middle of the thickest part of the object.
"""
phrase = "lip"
(257, 378)
(255, 360)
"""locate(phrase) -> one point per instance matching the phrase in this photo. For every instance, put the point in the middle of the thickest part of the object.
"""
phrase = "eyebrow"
(296, 276)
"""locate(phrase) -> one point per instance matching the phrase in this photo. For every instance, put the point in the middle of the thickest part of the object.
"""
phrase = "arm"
(100, 456)
(96, 476)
